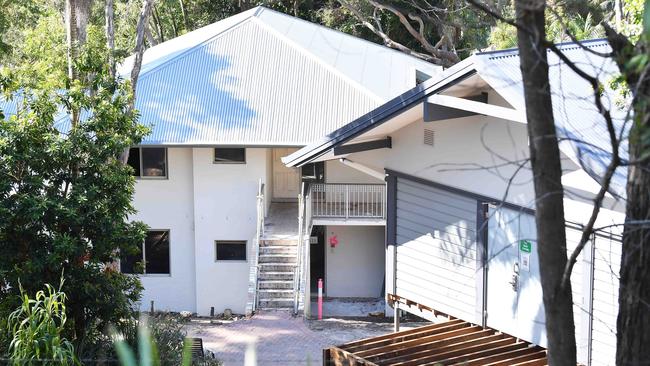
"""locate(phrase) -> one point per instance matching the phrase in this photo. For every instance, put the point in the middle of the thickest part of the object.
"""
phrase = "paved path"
(281, 339)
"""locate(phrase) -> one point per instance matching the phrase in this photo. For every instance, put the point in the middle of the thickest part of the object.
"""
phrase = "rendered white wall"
(169, 204)
(224, 209)
(337, 172)
(355, 268)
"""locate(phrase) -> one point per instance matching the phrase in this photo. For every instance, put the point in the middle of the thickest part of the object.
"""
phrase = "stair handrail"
(259, 232)
(297, 269)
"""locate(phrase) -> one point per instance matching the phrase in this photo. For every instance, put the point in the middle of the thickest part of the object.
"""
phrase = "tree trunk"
(139, 42)
(71, 35)
(547, 174)
(82, 12)
(110, 37)
(633, 324)
(184, 14)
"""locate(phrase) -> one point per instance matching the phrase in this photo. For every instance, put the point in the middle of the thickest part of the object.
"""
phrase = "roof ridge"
(567, 46)
(316, 59)
(379, 45)
(195, 48)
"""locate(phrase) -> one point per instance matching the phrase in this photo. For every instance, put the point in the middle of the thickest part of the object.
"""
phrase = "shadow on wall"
(192, 94)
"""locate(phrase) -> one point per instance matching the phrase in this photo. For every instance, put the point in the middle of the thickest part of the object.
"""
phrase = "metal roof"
(578, 121)
(263, 78)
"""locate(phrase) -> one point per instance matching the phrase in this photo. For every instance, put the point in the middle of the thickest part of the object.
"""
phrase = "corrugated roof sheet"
(264, 78)
(577, 119)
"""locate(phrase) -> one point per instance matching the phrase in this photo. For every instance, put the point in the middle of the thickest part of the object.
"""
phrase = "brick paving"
(280, 338)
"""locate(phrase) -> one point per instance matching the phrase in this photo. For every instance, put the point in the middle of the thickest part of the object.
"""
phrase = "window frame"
(144, 258)
(214, 155)
(152, 177)
(239, 242)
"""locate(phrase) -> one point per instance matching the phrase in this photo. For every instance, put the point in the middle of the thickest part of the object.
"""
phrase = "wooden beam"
(385, 143)
(434, 112)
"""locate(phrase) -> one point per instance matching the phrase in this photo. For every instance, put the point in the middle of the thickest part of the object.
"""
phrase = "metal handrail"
(259, 232)
(343, 200)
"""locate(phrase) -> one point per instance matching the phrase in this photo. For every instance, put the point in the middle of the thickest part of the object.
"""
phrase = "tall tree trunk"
(547, 174)
(140, 33)
(633, 324)
(71, 35)
(82, 12)
(184, 14)
(110, 37)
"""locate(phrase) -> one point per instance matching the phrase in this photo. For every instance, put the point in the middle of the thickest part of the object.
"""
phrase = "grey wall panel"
(436, 248)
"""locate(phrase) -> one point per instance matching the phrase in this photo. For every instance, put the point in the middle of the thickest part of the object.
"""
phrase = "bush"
(160, 340)
(37, 327)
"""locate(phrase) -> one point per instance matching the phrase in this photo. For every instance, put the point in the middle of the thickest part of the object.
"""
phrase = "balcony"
(347, 204)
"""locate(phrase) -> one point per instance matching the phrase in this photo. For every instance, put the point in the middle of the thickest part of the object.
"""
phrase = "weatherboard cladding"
(436, 248)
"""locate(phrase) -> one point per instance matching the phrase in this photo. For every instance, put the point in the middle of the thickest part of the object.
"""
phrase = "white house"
(460, 230)
(225, 103)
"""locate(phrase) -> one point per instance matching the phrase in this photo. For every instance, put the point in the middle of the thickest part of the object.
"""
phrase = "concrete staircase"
(277, 263)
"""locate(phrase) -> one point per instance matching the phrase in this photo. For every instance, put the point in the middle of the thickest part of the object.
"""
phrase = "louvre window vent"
(429, 137)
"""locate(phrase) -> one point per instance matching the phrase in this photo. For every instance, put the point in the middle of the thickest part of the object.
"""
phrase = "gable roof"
(579, 124)
(263, 78)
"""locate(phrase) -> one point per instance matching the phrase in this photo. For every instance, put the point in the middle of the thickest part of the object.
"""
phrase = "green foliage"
(160, 341)
(37, 327)
(65, 197)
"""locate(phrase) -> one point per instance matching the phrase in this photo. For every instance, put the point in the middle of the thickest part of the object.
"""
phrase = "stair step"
(278, 242)
(276, 267)
(275, 304)
(279, 285)
(278, 249)
(277, 258)
(275, 276)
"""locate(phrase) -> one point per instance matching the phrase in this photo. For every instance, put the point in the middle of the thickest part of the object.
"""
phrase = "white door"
(514, 299)
(286, 181)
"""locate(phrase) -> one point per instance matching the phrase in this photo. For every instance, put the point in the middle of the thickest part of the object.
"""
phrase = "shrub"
(37, 327)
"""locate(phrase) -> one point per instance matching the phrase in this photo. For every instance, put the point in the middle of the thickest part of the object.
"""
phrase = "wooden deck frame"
(450, 342)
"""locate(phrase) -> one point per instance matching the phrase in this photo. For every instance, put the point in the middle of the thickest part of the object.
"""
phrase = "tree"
(547, 179)
(66, 197)
(632, 54)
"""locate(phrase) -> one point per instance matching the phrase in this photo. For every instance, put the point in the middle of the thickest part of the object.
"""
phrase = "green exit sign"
(525, 246)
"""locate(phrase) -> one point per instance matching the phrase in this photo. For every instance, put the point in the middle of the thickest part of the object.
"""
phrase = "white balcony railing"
(348, 201)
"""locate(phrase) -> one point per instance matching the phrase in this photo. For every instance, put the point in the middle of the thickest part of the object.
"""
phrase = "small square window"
(149, 162)
(230, 250)
(154, 254)
(154, 161)
(229, 155)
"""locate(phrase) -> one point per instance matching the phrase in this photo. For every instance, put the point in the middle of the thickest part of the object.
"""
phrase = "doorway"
(514, 299)
(286, 181)
(317, 257)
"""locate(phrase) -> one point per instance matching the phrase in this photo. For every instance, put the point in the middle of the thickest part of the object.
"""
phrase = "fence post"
(347, 201)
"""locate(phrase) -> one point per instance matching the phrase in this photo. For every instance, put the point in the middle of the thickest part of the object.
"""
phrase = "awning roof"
(578, 121)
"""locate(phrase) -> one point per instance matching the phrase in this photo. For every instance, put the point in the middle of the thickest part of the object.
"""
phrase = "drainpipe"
(362, 168)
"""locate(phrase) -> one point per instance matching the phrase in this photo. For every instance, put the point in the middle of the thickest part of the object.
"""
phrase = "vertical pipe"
(347, 201)
(320, 299)
(396, 316)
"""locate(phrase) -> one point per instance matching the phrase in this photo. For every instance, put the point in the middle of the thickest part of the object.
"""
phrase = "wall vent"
(429, 137)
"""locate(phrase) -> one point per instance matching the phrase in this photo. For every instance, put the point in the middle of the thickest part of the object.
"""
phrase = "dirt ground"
(278, 338)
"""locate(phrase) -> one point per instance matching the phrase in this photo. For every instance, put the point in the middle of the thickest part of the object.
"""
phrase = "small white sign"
(525, 262)
(313, 240)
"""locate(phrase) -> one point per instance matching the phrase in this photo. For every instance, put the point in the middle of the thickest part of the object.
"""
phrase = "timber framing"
(449, 342)
(385, 143)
